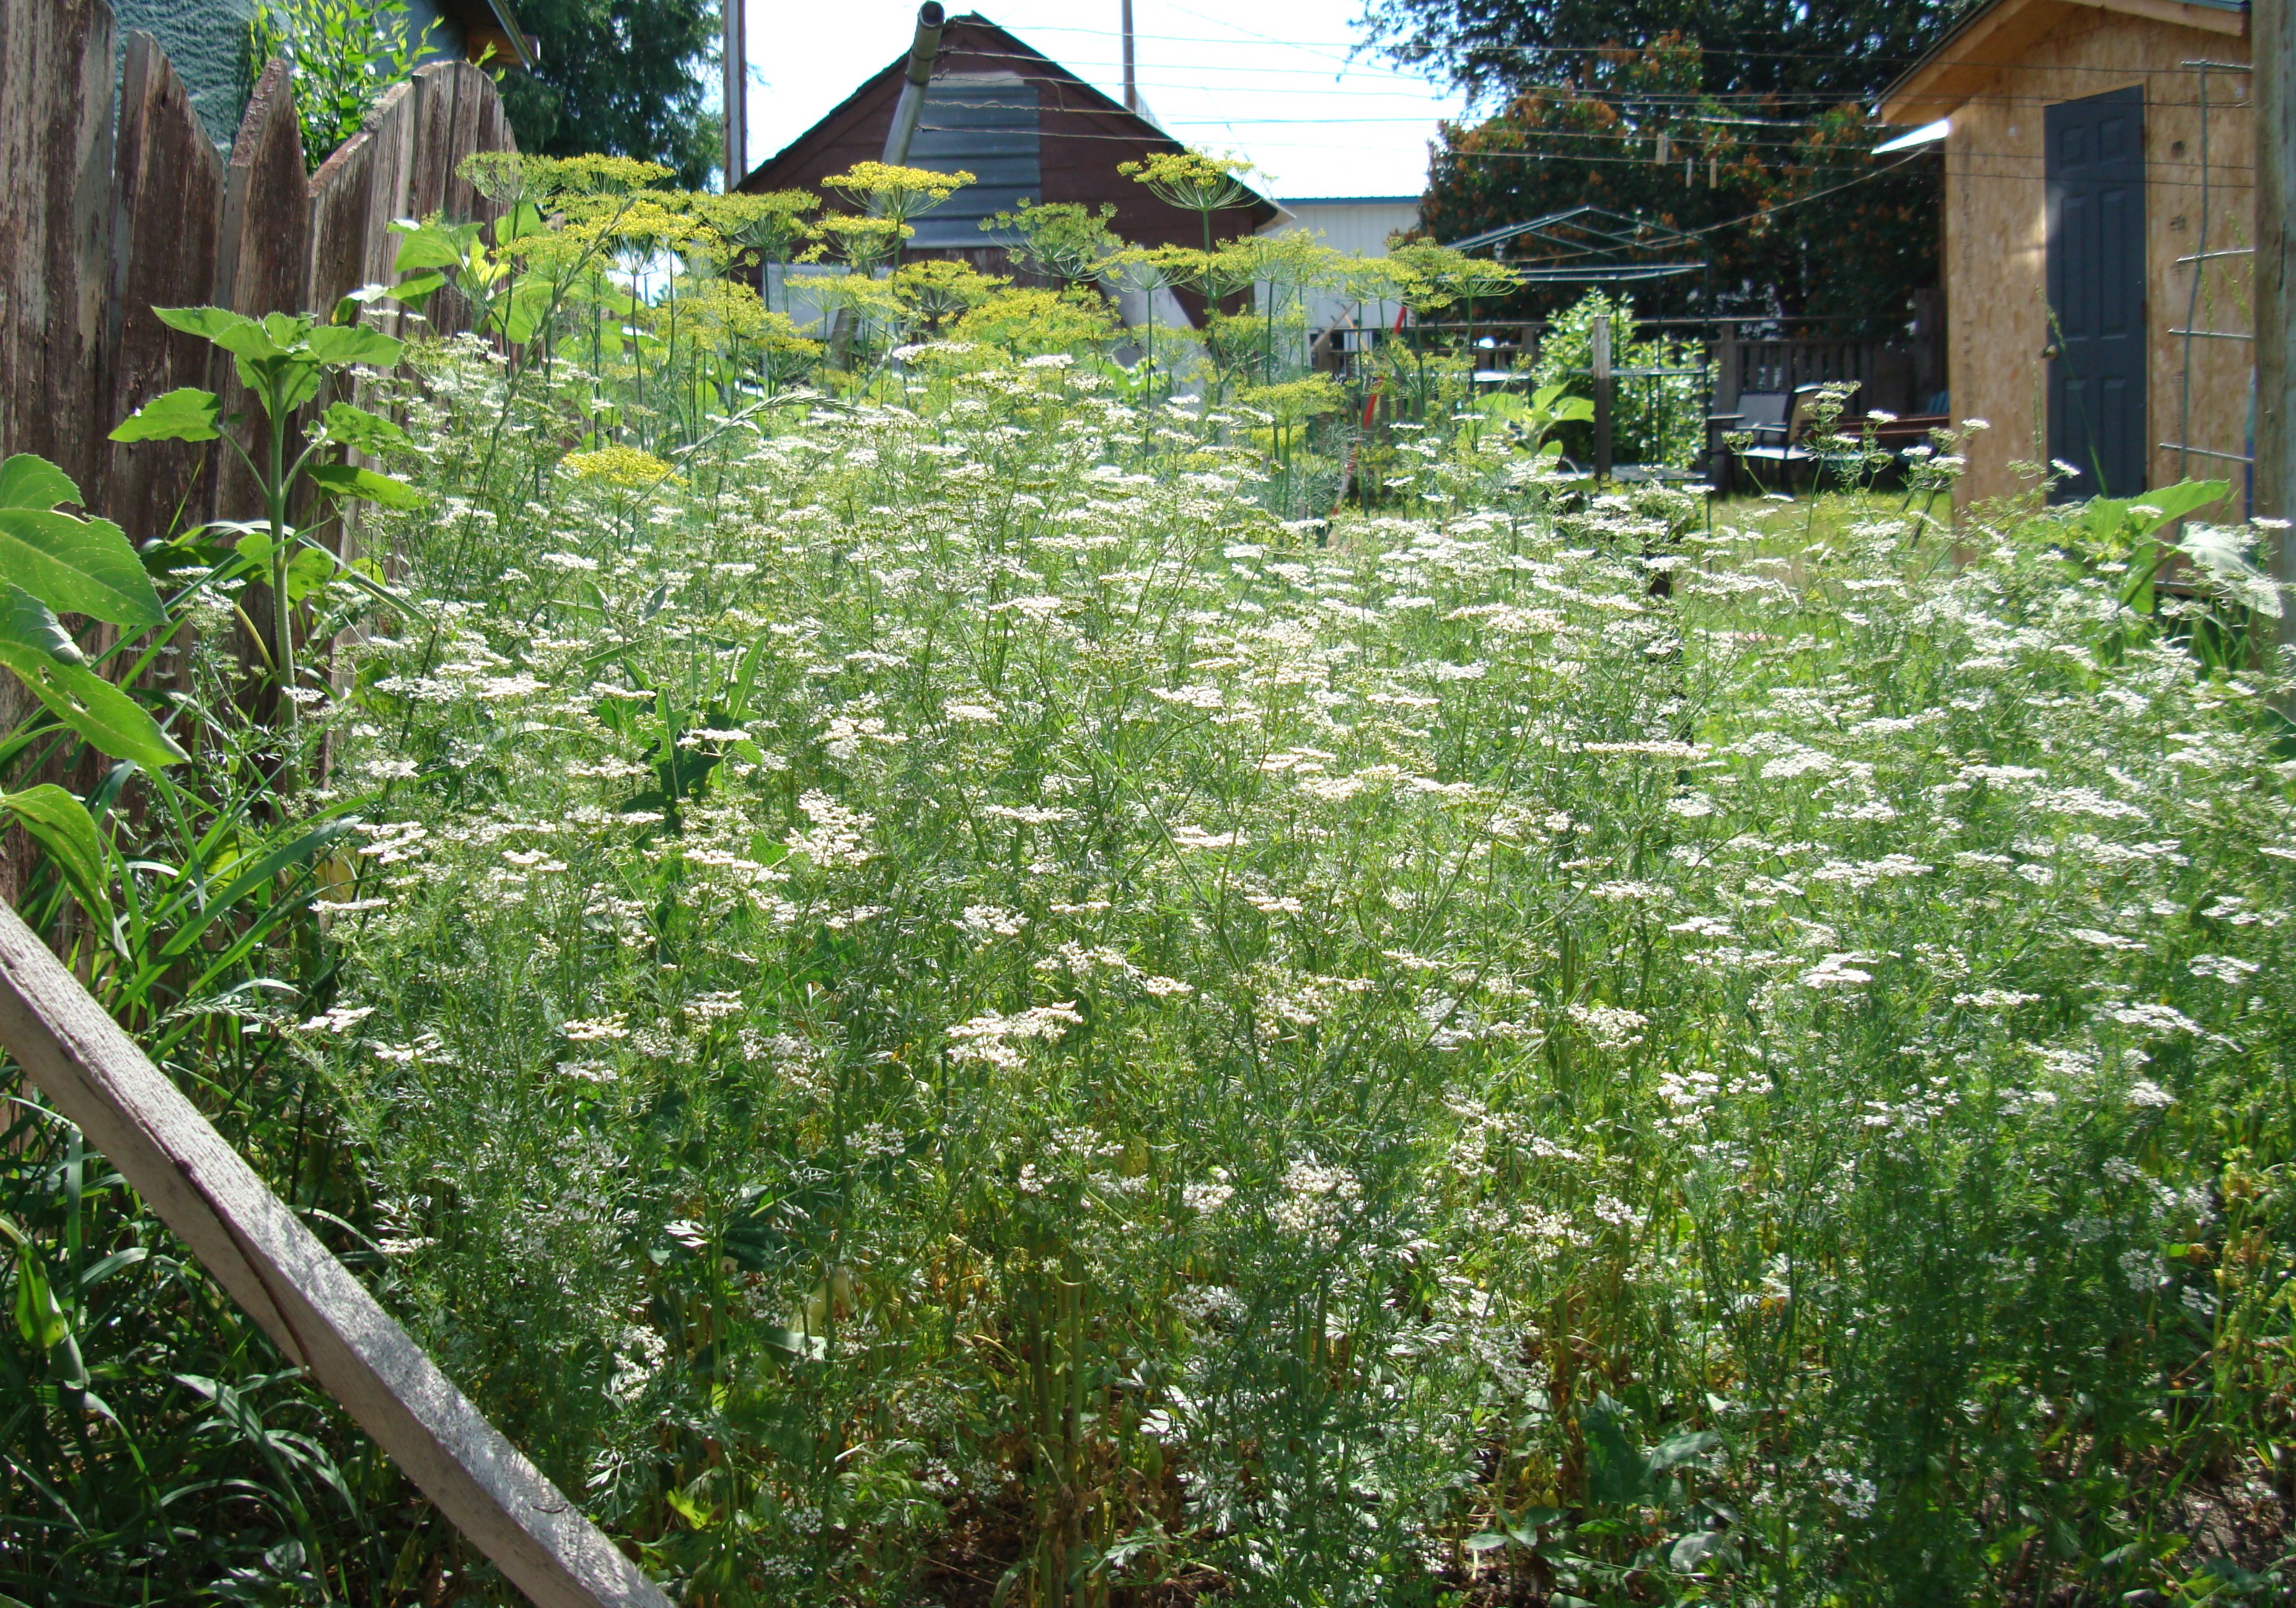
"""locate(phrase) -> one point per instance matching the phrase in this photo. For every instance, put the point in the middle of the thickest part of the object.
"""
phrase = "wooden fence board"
(55, 220)
(276, 1269)
(263, 257)
(390, 130)
(433, 113)
(458, 113)
(168, 192)
(461, 82)
(342, 206)
(56, 223)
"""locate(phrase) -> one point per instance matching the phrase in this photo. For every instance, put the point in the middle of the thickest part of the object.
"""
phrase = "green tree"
(1791, 211)
(345, 53)
(1810, 53)
(620, 76)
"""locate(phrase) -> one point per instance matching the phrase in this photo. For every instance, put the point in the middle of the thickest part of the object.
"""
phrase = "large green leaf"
(412, 289)
(81, 566)
(2109, 516)
(28, 625)
(356, 427)
(341, 480)
(206, 323)
(184, 415)
(34, 645)
(62, 827)
(2222, 553)
(252, 341)
(337, 344)
(28, 481)
(290, 330)
(2110, 522)
(426, 246)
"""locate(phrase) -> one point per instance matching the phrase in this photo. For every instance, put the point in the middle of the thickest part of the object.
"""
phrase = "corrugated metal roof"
(984, 123)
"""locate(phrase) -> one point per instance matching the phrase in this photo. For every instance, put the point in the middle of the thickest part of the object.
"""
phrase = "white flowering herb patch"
(929, 998)
(1045, 1004)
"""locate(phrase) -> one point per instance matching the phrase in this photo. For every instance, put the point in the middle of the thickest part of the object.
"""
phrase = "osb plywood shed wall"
(1995, 222)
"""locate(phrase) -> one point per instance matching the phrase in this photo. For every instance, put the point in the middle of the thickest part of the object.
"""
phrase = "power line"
(1610, 95)
(1614, 48)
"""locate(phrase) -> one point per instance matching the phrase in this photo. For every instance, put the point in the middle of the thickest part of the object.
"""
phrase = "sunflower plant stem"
(283, 612)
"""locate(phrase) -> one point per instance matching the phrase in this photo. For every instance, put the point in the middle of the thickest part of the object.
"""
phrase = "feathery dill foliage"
(956, 995)
(936, 1004)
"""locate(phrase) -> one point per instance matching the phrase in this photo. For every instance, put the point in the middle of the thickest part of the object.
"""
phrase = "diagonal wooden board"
(275, 1267)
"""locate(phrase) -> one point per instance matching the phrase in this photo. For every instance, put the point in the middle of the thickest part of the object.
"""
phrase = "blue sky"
(1272, 79)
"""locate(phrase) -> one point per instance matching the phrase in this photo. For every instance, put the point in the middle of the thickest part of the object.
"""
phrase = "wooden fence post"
(355, 195)
(1598, 344)
(309, 1303)
(263, 259)
(55, 226)
(2272, 25)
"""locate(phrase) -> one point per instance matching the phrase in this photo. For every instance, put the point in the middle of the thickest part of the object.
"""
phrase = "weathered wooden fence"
(103, 219)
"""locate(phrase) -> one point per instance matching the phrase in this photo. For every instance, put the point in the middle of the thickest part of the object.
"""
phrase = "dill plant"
(936, 1001)
(991, 1004)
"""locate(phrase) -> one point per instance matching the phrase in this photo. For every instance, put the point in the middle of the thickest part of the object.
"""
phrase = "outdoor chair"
(1761, 414)
(1778, 422)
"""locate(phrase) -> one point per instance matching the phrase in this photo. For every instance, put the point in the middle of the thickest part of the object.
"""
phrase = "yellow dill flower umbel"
(624, 466)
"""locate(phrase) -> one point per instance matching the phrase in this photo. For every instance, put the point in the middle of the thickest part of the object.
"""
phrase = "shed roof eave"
(1950, 71)
(494, 22)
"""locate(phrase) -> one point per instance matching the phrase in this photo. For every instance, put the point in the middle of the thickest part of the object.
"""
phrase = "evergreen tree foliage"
(623, 77)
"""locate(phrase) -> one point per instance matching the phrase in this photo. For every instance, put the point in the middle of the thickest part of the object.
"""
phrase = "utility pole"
(736, 53)
(1131, 79)
(2272, 37)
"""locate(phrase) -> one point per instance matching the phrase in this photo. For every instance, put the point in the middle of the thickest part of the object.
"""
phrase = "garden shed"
(2099, 212)
(1357, 224)
(1026, 127)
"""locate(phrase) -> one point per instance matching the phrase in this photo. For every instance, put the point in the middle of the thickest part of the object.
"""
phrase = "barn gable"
(1025, 127)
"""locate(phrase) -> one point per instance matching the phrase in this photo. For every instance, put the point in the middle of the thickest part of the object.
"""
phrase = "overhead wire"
(1637, 137)
(1610, 94)
(1662, 107)
(1318, 46)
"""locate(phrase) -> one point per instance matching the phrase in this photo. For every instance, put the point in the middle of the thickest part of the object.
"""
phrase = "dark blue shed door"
(2095, 176)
